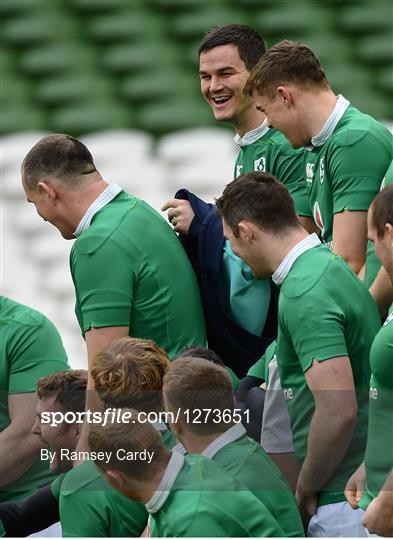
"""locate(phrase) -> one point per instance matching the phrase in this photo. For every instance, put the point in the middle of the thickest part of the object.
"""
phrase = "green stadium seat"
(171, 115)
(368, 18)
(16, 7)
(15, 89)
(89, 116)
(141, 56)
(37, 28)
(21, 117)
(155, 85)
(73, 87)
(58, 58)
(292, 20)
(384, 81)
(96, 6)
(376, 50)
(124, 26)
(194, 25)
(328, 47)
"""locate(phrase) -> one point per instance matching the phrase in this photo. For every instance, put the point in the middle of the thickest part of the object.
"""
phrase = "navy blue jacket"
(238, 348)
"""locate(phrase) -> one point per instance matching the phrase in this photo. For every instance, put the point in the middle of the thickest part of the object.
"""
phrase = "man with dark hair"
(193, 385)
(123, 258)
(240, 311)
(323, 344)
(30, 348)
(61, 392)
(347, 152)
(376, 276)
(371, 486)
(184, 495)
(208, 354)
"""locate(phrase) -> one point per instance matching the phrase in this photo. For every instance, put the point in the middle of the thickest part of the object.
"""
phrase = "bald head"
(58, 156)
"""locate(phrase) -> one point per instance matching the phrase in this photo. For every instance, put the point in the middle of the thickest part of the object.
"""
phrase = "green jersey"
(372, 263)
(30, 348)
(267, 150)
(379, 451)
(2, 531)
(129, 269)
(198, 498)
(89, 506)
(249, 464)
(319, 320)
(345, 165)
(261, 367)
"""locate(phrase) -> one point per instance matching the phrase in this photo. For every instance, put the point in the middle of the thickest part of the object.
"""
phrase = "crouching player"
(186, 496)
(199, 396)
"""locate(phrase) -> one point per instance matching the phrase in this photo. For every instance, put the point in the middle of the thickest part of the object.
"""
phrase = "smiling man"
(347, 152)
(323, 343)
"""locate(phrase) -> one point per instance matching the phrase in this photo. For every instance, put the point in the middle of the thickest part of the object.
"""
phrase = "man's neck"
(80, 201)
(147, 488)
(316, 109)
(250, 120)
(281, 248)
(196, 444)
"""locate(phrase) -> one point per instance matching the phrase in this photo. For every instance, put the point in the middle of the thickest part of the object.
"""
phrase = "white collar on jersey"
(337, 113)
(286, 264)
(106, 196)
(159, 425)
(230, 435)
(252, 136)
(162, 493)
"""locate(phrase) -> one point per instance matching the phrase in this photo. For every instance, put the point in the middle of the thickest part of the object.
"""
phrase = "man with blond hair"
(347, 152)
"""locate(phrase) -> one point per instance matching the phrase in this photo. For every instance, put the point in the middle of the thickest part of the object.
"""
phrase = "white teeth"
(221, 99)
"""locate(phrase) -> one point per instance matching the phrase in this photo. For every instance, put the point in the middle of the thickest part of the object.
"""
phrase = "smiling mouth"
(220, 100)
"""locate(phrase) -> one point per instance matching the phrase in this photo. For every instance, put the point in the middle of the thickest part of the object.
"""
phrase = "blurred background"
(122, 75)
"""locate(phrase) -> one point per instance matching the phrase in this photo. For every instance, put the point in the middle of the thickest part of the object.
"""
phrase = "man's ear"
(389, 230)
(285, 95)
(116, 477)
(246, 231)
(46, 187)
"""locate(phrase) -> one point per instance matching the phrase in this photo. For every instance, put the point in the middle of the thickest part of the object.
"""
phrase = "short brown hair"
(129, 373)
(382, 210)
(196, 384)
(286, 62)
(60, 156)
(260, 198)
(114, 436)
(68, 387)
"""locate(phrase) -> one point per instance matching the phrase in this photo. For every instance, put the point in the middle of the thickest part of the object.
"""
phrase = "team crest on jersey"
(260, 164)
(310, 172)
(318, 217)
(322, 169)
(239, 170)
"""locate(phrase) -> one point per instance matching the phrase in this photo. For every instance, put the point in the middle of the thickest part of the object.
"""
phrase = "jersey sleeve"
(356, 173)
(81, 517)
(34, 352)
(104, 285)
(314, 325)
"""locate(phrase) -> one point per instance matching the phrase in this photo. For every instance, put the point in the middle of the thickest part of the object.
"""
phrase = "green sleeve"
(234, 378)
(81, 515)
(2, 531)
(261, 368)
(34, 352)
(356, 172)
(56, 485)
(315, 327)
(104, 298)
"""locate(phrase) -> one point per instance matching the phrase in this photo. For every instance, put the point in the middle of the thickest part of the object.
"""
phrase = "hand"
(180, 214)
(355, 486)
(378, 518)
(307, 502)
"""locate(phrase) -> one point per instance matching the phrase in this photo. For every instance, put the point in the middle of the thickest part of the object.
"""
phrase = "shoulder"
(81, 477)
(357, 127)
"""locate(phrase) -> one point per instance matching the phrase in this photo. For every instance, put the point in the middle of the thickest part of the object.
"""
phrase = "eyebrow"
(220, 70)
